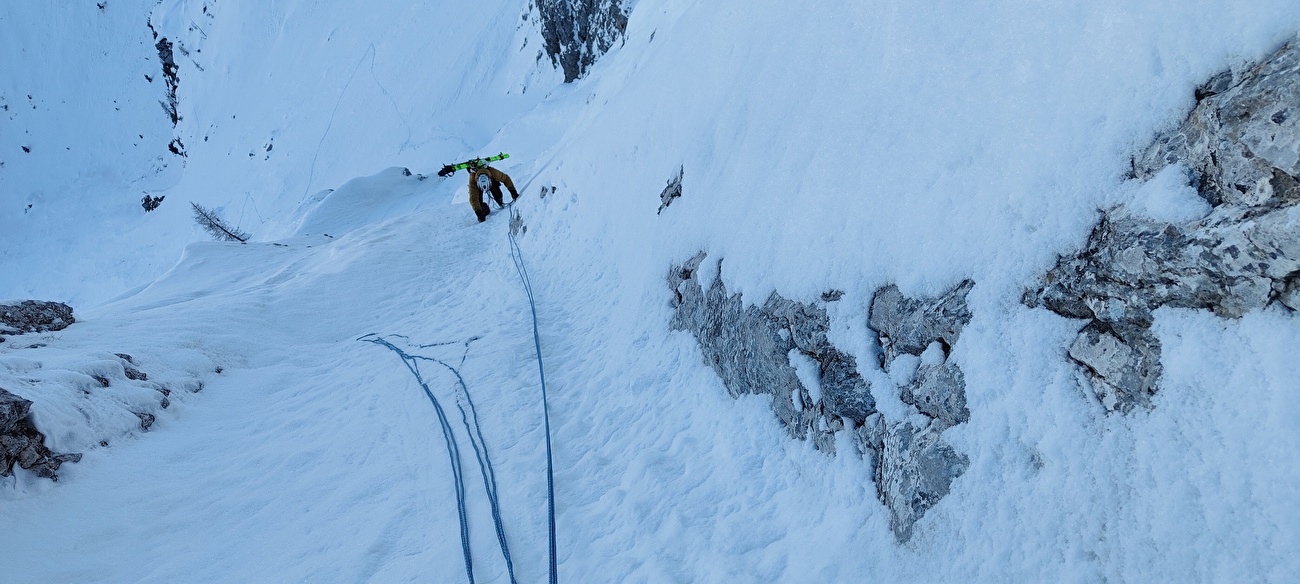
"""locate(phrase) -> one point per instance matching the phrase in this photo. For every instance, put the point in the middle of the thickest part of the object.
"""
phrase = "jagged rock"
(750, 349)
(915, 471)
(1242, 143)
(577, 32)
(33, 316)
(12, 410)
(939, 391)
(1289, 295)
(844, 392)
(908, 326)
(1243, 137)
(915, 466)
(22, 444)
(146, 420)
(744, 346)
(1228, 262)
(672, 191)
(1124, 363)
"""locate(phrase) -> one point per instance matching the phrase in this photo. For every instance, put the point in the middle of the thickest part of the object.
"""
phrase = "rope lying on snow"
(475, 432)
(518, 257)
(453, 450)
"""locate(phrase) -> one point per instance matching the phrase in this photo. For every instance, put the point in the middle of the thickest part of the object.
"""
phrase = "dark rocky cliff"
(577, 32)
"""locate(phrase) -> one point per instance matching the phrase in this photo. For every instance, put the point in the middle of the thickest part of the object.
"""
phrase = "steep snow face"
(819, 147)
(82, 138)
(277, 101)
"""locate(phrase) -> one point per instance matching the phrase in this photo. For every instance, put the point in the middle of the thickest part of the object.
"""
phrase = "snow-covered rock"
(22, 444)
(916, 470)
(909, 326)
(33, 316)
(750, 346)
(938, 391)
(1243, 137)
(1243, 147)
(916, 466)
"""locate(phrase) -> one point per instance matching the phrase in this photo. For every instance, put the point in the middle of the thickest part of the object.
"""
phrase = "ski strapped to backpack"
(448, 169)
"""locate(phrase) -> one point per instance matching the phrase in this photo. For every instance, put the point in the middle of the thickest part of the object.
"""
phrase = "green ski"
(472, 163)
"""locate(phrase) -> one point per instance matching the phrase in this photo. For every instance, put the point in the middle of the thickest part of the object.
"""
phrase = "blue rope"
(518, 258)
(476, 441)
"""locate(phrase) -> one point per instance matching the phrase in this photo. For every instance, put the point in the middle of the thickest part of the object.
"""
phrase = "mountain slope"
(823, 149)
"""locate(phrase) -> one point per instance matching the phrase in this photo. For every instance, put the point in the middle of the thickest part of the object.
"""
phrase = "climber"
(483, 178)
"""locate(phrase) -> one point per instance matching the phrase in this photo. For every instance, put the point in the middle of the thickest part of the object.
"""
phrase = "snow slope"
(830, 146)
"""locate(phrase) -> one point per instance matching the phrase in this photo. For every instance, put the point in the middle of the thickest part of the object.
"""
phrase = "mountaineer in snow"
(483, 178)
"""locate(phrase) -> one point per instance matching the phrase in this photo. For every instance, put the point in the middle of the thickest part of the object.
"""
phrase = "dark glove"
(447, 170)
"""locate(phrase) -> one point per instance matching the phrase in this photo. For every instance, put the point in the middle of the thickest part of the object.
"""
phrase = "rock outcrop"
(751, 348)
(1242, 139)
(1241, 144)
(33, 316)
(917, 467)
(577, 32)
(22, 444)
(671, 192)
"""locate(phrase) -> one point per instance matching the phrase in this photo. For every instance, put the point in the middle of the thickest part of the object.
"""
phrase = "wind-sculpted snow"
(79, 400)
(751, 347)
(1242, 146)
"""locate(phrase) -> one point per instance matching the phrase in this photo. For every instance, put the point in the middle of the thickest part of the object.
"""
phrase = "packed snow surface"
(831, 145)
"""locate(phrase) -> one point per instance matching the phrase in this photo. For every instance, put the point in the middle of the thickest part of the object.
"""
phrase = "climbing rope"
(515, 222)
(453, 450)
(475, 432)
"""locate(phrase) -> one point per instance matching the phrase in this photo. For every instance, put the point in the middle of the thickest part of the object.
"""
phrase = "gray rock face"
(1243, 137)
(32, 316)
(22, 444)
(577, 32)
(1242, 143)
(750, 349)
(916, 467)
(908, 325)
(1124, 363)
(939, 391)
(916, 470)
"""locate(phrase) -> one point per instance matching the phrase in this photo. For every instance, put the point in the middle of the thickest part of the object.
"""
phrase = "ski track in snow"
(829, 146)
